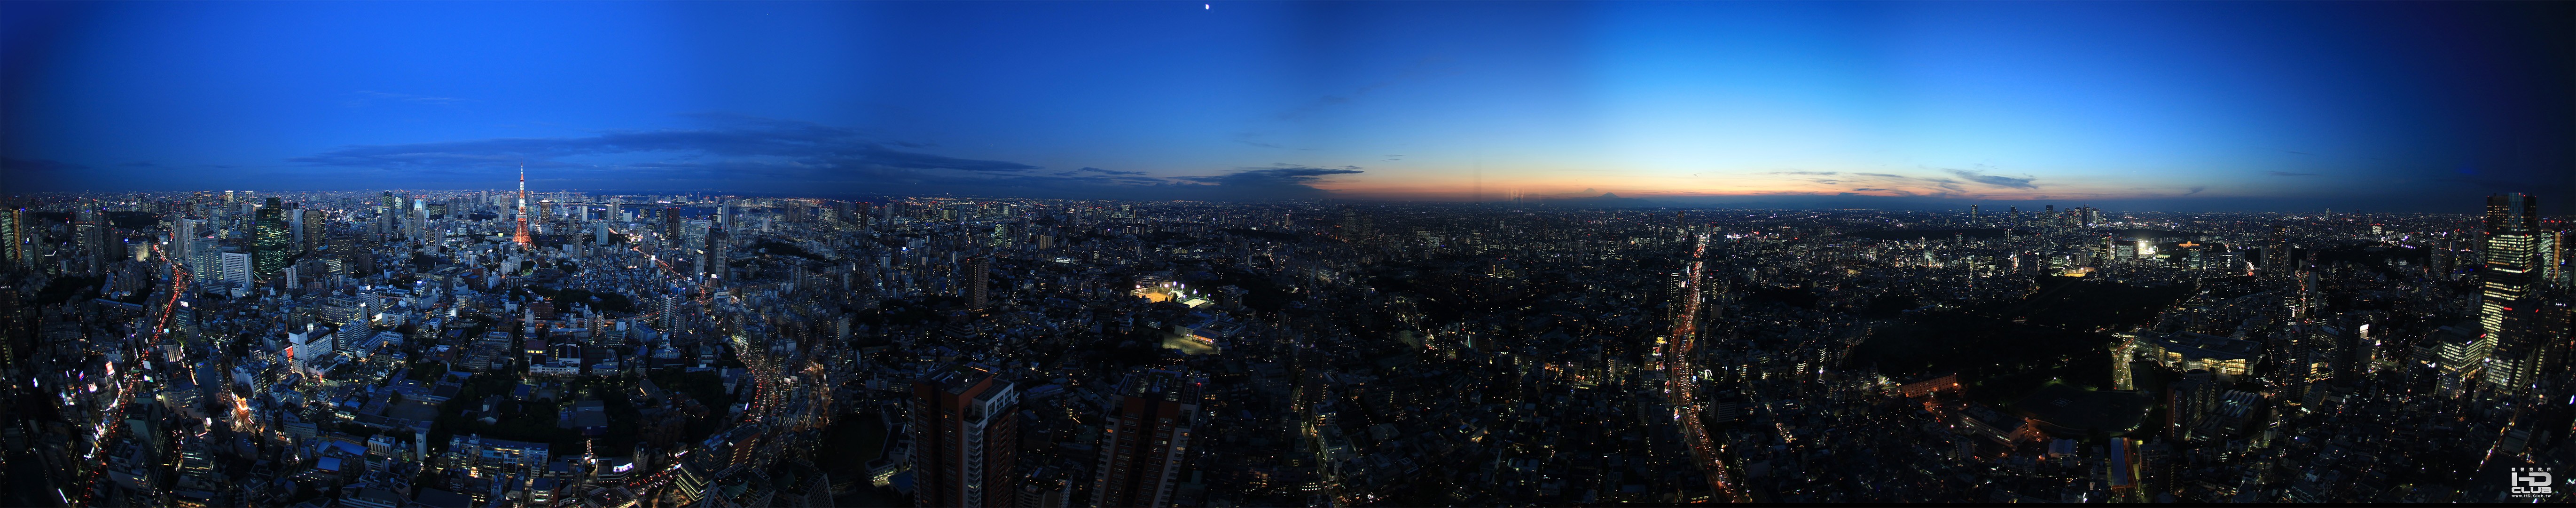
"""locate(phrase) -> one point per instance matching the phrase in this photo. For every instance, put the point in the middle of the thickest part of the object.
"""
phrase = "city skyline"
(2179, 107)
(1257, 254)
(516, 349)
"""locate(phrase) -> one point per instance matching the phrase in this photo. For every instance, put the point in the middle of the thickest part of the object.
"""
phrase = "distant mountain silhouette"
(1605, 200)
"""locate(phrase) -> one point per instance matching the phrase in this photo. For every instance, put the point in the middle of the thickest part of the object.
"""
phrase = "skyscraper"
(2506, 311)
(182, 229)
(236, 272)
(979, 281)
(313, 230)
(2188, 400)
(90, 227)
(965, 438)
(715, 244)
(1144, 439)
(673, 316)
(693, 235)
(13, 229)
(270, 247)
(205, 262)
(2276, 253)
(693, 239)
(2552, 252)
(671, 225)
(387, 207)
(295, 226)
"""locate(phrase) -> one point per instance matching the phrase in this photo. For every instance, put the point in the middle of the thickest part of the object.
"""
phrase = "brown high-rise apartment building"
(965, 439)
(979, 281)
(1146, 437)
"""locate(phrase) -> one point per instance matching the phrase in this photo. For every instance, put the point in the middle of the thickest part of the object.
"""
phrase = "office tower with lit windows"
(2507, 313)
(1145, 438)
(672, 227)
(2552, 247)
(271, 247)
(694, 233)
(965, 437)
(13, 230)
(383, 226)
(91, 238)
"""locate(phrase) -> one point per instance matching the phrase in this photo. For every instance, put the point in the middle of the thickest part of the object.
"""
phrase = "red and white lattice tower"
(525, 242)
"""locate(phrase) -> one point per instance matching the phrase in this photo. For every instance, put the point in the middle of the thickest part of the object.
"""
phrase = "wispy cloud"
(2196, 189)
(753, 153)
(1946, 186)
(815, 145)
(362, 98)
(2021, 182)
(1980, 182)
(1259, 143)
(1284, 180)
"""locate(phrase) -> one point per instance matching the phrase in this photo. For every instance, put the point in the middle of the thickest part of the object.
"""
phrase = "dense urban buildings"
(560, 348)
(1299, 253)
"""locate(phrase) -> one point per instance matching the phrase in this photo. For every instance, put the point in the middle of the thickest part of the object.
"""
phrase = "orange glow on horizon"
(1533, 185)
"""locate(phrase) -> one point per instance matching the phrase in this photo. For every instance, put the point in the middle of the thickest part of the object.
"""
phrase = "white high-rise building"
(180, 234)
(236, 273)
(205, 264)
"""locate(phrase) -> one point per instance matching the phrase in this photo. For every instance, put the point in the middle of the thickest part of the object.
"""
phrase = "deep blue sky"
(2169, 105)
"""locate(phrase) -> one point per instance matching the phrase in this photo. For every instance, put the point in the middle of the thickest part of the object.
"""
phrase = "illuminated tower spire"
(524, 241)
